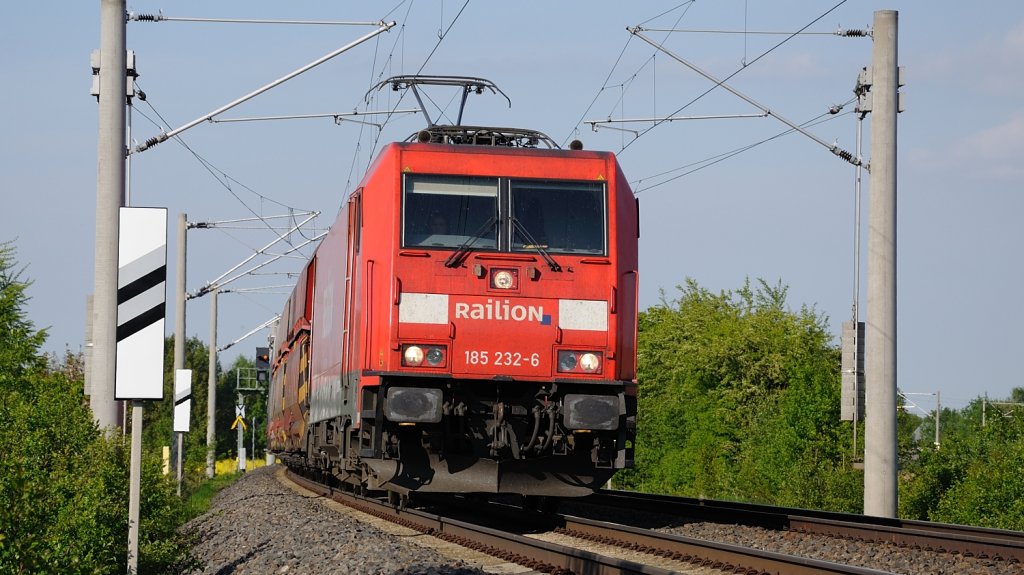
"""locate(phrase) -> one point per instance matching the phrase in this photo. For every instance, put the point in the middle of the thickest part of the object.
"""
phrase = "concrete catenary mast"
(880, 456)
(110, 173)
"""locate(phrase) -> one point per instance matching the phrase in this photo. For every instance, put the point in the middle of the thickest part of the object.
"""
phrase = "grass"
(225, 473)
(200, 498)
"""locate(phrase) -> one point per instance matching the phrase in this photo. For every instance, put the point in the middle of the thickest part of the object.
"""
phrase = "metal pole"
(179, 323)
(179, 296)
(109, 197)
(880, 457)
(128, 157)
(858, 179)
(938, 410)
(240, 432)
(254, 442)
(134, 488)
(211, 394)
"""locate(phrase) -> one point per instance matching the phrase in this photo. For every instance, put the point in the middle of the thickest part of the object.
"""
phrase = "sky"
(781, 211)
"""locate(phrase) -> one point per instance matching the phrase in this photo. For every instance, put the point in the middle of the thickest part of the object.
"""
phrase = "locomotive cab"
(506, 371)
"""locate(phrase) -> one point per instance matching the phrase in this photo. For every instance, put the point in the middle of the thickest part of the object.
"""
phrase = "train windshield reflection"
(448, 211)
(558, 216)
(547, 216)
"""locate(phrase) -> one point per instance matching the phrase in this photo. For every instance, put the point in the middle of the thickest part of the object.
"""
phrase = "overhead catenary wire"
(851, 33)
(226, 181)
(737, 71)
(399, 39)
(717, 158)
(216, 172)
(712, 160)
(604, 85)
(286, 274)
(594, 123)
(834, 148)
(442, 35)
(220, 223)
(260, 289)
(255, 250)
(272, 259)
(383, 27)
(214, 284)
(338, 116)
(440, 38)
(218, 283)
(250, 228)
(253, 331)
(159, 17)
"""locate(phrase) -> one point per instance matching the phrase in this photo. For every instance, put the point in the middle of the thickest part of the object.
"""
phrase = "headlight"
(435, 356)
(417, 355)
(590, 363)
(579, 361)
(566, 361)
(504, 279)
(413, 355)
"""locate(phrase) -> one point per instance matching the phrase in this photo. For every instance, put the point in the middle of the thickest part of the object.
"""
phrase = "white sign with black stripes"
(182, 399)
(141, 302)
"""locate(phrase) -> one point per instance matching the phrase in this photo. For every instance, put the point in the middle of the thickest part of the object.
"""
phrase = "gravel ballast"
(263, 524)
(881, 556)
(259, 526)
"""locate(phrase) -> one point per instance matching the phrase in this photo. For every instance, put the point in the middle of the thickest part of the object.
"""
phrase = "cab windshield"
(502, 214)
(558, 216)
(448, 211)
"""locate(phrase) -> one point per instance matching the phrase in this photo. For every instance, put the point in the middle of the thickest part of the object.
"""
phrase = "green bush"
(63, 484)
(739, 399)
(975, 478)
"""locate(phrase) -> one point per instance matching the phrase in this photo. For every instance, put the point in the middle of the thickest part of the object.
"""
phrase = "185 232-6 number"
(502, 358)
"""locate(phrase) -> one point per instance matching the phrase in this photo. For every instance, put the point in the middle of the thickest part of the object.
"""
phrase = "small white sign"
(141, 287)
(182, 399)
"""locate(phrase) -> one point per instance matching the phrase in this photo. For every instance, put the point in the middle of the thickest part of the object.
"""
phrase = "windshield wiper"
(533, 244)
(455, 260)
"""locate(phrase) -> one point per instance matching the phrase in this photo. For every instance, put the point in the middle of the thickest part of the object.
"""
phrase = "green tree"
(159, 416)
(739, 399)
(63, 484)
(242, 374)
(975, 477)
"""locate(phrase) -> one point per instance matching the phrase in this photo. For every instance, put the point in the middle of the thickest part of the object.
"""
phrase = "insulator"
(855, 33)
(149, 17)
(844, 155)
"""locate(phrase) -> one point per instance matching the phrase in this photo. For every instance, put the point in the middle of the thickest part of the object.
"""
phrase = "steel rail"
(531, 553)
(985, 543)
(723, 556)
(564, 560)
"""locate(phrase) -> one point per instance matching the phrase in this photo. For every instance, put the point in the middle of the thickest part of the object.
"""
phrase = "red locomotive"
(469, 322)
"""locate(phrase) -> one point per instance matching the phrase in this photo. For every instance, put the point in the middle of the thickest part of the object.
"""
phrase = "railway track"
(528, 539)
(994, 544)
